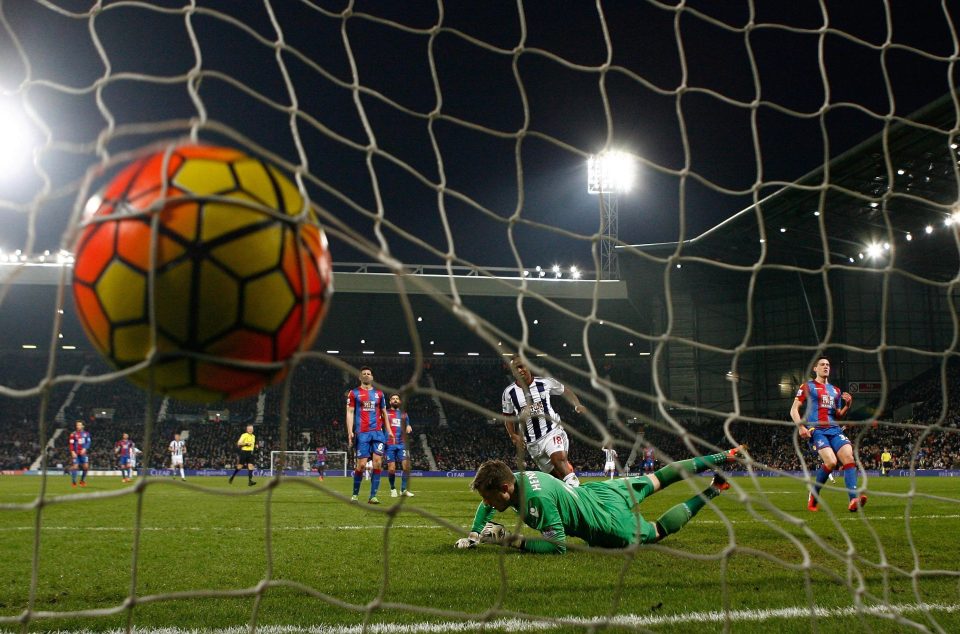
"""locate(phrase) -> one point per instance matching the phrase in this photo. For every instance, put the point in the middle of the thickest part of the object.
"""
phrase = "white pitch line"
(515, 624)
(330, 527)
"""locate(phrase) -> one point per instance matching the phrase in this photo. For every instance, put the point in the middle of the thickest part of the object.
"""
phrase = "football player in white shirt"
(610, 461)
(133, 460)
(541, 432)
(178, 450)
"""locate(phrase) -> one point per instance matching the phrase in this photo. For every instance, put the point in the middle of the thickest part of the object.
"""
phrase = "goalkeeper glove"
(470, 541)
(492, 533)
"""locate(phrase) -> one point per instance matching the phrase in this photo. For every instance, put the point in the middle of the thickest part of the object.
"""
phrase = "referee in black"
(245, 448)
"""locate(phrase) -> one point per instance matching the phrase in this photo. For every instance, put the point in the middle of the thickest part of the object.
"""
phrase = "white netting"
(451, 139)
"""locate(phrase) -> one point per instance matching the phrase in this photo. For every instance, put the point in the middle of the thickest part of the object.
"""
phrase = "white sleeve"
(508, 403)
(553, 385)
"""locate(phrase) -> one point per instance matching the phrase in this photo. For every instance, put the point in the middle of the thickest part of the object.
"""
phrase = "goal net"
(304, 463)
(787, 190)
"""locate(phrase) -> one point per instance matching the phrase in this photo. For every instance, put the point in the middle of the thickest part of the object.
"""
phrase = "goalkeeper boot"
(354, 498)
(393, 493)
(373, 500)
(720, 483)
(857, 503)
(407, 493)
(812, 504)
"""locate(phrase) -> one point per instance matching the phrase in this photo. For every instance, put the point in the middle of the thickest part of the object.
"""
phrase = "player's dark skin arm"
(510, 422)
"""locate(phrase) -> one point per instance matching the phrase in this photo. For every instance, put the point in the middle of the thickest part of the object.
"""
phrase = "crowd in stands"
(456, 437)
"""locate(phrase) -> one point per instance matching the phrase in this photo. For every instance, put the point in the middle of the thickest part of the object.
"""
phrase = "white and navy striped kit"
(543, 418)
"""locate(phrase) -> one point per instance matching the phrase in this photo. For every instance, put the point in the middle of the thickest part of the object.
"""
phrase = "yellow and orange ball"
(240, 273)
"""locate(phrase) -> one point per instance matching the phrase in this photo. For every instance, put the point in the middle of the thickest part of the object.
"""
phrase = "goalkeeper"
(602, 514)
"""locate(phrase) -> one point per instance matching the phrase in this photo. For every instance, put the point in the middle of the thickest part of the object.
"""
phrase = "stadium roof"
(885, 192)
(366, 314)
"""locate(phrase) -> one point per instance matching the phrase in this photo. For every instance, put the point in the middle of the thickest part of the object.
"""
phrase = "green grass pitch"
(205, 559)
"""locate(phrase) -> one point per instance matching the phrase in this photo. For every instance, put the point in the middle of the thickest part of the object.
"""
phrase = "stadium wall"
(729, 343)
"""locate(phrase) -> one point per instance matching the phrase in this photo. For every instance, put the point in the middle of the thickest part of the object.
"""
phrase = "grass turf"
(206, 559)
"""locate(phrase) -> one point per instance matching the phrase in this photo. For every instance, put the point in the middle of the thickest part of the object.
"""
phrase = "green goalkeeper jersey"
(600, 513)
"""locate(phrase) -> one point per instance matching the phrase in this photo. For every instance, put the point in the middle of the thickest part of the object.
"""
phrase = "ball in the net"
(239, 270)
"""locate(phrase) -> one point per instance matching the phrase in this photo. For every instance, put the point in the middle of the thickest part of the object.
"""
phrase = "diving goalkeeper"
(602, 514)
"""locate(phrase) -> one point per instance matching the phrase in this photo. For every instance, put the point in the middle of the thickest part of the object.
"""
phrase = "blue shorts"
(824, 437)
(320, 465)
(396, 453)
(370, 442)
(648, 464)
(81, 460)
(124, 462)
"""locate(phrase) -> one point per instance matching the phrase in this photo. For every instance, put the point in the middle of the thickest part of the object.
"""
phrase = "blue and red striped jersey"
(368, 406)
(823, 401)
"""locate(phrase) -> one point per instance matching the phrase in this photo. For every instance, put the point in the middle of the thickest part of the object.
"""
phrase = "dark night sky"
(654, 50)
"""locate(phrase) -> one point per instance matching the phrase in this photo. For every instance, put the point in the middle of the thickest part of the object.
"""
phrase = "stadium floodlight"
(909, 236)
(609, 174)
(928, 229)
(874, 250)
(17, 140)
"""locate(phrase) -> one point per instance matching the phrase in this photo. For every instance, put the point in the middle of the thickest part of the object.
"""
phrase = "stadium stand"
(315, 416)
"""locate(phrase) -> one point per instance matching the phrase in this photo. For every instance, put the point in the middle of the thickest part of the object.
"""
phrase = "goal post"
(302, 463)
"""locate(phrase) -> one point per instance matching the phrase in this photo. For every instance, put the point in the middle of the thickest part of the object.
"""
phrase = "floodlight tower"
(609, 174)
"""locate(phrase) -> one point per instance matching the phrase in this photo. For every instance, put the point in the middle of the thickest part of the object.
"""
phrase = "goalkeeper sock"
(850, 479)
(674, 471)
(677, 517)
(357, 479)
(393, 480)
(404, 478)
(374, 483)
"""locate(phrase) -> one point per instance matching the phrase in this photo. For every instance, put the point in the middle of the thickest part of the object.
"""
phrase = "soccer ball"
(202, 260)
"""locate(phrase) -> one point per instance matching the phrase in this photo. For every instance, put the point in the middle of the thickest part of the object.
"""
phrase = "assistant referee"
(245, 448)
